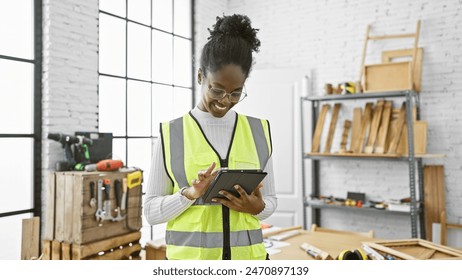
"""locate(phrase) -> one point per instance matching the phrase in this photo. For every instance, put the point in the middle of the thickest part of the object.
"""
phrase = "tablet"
(226, 179)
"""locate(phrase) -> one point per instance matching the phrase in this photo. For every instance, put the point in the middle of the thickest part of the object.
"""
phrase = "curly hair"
(232, 41)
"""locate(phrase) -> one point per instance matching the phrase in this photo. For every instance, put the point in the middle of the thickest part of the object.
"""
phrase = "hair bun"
(237, 26)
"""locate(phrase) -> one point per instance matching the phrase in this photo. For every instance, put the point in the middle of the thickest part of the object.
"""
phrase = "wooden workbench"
(332, 243)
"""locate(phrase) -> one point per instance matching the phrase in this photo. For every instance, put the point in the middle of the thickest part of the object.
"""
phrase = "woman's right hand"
(201, 184)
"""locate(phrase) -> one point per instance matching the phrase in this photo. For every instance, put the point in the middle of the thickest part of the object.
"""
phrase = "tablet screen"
(226, 179)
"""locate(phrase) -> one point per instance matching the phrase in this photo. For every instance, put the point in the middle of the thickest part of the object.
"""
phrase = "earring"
(199, 77)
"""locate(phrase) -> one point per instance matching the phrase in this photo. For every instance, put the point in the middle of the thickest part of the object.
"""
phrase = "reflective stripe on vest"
(198, 232)
(213, 239)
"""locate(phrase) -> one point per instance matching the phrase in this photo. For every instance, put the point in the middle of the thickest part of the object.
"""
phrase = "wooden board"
(356, 128)
(384, 127)
(30, 238)
(49, 221)
(376, 119)
(365, 124)
(346, 130)
(434, 196)
(319, 127)
(420, 139)
(399, 127)
(389, 56)
(333, 123)
(414, 249)
(388, 77)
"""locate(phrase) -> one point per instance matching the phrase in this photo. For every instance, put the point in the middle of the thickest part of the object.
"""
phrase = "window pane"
(140, 11)
(112, 105)
(16, 174)
(16, 96)
(111, 45)
(182, 100)
(116, 7)
(162, 14)
(139, 155)
(139, 101)
(17, 28)
(139, 38)
(162, 57)
(162, 106)
(119, 150)
(182, 18)
(182, 62)
(11, 236)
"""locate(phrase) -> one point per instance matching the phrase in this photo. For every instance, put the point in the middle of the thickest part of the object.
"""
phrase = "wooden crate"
(73, 220)
(156, 250)
(123, 247)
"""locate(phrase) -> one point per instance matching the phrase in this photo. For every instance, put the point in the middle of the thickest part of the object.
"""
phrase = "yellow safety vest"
(213, 231)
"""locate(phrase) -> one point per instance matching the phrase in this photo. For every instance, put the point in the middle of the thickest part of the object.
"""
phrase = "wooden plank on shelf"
(333, 123)
(399, 127)
(344, 142)
(356, 127)
(384, 127)
(374, 127)
(434, 196)
(365, 124)
(420, 139)
(319, 127)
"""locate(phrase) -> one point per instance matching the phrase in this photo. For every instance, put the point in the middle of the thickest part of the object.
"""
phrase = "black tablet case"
(226, 179)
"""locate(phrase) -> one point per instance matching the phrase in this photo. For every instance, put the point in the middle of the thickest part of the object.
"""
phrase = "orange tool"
(109, 165)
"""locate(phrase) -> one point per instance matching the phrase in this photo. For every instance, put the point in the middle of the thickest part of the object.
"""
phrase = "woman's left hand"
(247, 203)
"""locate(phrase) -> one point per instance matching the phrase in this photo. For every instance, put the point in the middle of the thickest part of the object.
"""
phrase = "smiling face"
(229, 78)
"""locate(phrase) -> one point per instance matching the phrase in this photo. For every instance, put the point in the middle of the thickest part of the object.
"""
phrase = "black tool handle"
(92, 189)
(107, 187)
(118, 191)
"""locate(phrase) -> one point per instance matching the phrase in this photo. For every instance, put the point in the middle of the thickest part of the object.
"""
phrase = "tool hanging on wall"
(133, 180)
(118, 195)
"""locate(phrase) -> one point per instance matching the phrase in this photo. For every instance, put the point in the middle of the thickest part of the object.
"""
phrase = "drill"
(66, 141)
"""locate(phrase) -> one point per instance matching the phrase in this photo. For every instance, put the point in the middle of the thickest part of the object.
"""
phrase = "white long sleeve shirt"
(162, 205)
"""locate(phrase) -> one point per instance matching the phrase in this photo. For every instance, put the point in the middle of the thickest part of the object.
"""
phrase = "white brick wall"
(206, 13)
(327, 36)
(70, 74)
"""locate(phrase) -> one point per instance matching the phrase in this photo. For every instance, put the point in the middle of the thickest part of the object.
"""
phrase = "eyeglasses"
(219, 93)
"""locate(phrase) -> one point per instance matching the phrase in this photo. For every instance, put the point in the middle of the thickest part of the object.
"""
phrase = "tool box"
(74, 198)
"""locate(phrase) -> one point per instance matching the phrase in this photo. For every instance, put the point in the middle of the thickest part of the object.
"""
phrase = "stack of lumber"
(377, 129)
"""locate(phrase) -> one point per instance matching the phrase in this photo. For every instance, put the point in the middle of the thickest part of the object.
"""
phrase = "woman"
(209, 137)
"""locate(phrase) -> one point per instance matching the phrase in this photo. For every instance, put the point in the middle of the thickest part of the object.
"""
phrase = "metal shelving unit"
(414, 163)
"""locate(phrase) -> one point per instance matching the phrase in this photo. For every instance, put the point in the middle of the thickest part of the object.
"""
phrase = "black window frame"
(37, 123)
